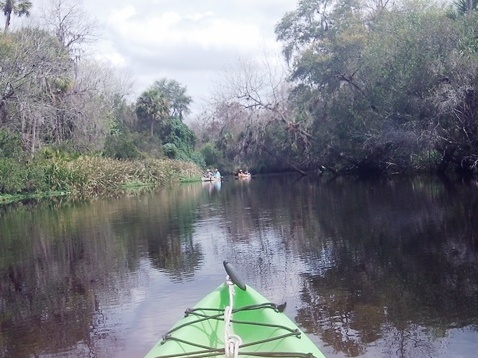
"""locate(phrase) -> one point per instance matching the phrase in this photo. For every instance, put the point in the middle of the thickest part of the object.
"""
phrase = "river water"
(385, 268)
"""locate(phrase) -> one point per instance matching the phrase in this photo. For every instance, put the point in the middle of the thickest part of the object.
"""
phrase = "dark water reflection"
(386, 268)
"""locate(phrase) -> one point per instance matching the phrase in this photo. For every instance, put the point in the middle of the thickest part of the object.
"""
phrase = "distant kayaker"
(217, 174)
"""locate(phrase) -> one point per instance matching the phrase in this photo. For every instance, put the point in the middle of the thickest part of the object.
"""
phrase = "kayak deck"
(263, 328)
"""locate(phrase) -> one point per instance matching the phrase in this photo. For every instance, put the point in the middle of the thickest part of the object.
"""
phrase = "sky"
(190, 41)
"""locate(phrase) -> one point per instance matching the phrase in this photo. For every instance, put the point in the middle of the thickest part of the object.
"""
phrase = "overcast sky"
(190, 41)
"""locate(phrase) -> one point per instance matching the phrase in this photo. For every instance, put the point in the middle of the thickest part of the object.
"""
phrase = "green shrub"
(198, 158)
(10, 145)
(21, 178)
(171, 151)
(210, 154)
(11, 176)
(64, 151)
(58, 177)
(121, 146)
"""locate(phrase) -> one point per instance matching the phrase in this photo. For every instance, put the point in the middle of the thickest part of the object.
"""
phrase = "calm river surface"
(385, 268)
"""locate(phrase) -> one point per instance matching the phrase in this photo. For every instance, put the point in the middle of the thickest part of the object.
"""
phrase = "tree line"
(57, 104)
(371, 87)
(52, 94)
(365, 87)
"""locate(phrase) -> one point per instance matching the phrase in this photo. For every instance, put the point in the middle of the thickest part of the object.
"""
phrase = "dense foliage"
(374, 87)
(56, 106)
(371, 87)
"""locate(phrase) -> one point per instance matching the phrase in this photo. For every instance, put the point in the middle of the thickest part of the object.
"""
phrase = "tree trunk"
(7, 22)
(446, 159)
(34, 134)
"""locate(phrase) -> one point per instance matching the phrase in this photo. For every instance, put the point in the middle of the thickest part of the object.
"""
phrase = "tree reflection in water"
(373, 268)
(55, 262)
(406, 274)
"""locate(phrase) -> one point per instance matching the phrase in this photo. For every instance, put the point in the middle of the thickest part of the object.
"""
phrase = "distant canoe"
(244, 176)
(210, 179)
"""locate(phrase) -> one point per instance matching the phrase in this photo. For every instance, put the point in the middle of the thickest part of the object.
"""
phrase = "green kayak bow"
(231, 323)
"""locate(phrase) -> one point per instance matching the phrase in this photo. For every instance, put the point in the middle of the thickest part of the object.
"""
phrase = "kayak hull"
(264, 329)
(210, 179)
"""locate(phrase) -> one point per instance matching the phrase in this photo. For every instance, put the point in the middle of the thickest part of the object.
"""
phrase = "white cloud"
(186, 40)
(170, 30)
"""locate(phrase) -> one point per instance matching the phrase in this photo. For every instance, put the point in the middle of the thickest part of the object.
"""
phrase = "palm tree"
(152, 106)
(19, 8)
(179, 101)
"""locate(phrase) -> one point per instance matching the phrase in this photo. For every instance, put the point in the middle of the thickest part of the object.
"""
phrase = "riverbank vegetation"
(66, 126)
(372, 87)
(53, 174)
(366, 88)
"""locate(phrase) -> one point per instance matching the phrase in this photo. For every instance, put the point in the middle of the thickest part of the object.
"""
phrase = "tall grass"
(103, 176)
(88, 176)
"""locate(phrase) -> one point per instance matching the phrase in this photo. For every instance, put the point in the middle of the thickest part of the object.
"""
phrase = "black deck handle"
(231, 272)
